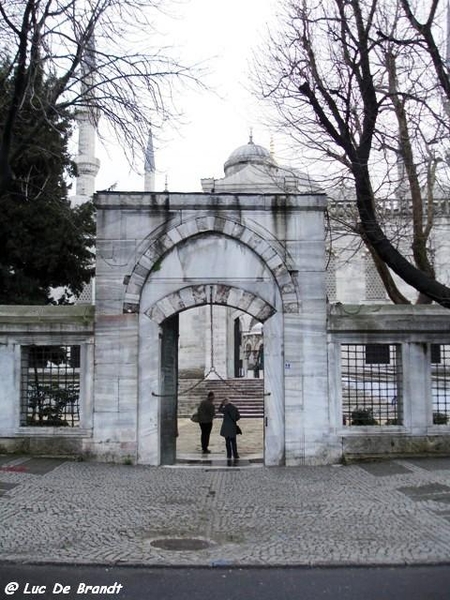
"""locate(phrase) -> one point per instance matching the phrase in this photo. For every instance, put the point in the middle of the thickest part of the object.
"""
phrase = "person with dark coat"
(229, 427)
(206, 412)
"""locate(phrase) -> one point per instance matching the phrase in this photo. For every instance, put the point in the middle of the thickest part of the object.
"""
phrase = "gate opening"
(219, 349)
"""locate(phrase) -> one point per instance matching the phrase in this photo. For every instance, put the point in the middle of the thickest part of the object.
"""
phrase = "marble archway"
(154, 252)
(214, 281)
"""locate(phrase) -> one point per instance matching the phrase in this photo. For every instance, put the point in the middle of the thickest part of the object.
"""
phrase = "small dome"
(250, 153)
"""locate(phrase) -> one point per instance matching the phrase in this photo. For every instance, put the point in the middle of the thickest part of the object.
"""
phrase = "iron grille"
(371, 388)
(330, 279)
(50, 386)
(375, 289)
(440, 382)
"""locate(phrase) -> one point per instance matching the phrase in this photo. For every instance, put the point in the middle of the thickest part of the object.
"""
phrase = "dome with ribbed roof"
(249, 153)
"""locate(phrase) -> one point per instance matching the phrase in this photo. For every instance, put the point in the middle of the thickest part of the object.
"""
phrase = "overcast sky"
(215, 123)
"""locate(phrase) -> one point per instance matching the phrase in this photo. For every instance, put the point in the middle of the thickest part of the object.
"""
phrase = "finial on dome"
(166, 183)
(250, 139)
(272, 147)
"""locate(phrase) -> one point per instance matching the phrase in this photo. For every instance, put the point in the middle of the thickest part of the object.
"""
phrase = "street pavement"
(202, 512)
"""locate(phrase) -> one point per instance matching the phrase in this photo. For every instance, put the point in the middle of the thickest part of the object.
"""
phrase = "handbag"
(238, 429)
(194, 418)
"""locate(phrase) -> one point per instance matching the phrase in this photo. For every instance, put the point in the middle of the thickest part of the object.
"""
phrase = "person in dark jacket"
(206, 412)
(229, 427)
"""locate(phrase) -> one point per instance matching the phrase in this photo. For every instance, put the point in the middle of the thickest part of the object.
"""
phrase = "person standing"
(206, 412)
(229, 427)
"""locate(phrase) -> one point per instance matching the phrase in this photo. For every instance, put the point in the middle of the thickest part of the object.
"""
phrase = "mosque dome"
(249, 153)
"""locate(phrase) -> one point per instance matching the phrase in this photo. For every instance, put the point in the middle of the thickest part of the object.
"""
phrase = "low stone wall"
(412, 329)
(375, 447)
(53, 445)
(44, 326)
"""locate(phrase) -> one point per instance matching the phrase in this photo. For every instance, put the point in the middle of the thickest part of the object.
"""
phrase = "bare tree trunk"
(390, 286)
(391, 256)
(335, 82)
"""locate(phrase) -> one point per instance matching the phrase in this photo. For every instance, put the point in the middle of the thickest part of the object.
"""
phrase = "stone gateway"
(161, 254)
(335, 381)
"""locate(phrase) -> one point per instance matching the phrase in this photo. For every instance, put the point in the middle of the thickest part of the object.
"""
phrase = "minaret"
(149, 167)
(88, 165)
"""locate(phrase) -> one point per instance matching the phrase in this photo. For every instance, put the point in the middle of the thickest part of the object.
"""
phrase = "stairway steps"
(246, 394)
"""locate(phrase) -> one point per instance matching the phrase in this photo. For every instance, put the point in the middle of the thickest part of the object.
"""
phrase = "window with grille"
(50, 386)
(375, 289)
(330, 279)
(440, 382)
(371, 388)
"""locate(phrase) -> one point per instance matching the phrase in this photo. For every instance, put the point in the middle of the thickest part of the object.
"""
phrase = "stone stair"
(246, 394)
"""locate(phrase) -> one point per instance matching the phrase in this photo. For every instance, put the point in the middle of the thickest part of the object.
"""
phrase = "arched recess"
(165, 313)
(269, 251)
(258, 295)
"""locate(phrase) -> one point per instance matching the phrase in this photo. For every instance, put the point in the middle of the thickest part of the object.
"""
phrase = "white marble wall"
(269, 250)
(274, 388)
(350, 258)
(191, 357)
(308, 432)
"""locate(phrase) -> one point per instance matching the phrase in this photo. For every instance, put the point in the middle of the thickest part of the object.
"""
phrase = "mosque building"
(260, 280)
(351, 275)
(237, 339)
(257, 283)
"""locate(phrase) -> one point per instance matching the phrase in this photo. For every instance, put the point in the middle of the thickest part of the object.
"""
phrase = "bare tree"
(358, 86)
(97, 57)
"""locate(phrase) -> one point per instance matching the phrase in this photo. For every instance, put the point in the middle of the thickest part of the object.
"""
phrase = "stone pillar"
(307, 413)
(274, 405)
(416, 387)
(149, 403)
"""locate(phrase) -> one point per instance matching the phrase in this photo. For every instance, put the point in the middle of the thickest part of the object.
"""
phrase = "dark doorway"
(169, 390)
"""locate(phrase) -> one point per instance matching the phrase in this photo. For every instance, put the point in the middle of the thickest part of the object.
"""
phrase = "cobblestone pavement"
(394, 512)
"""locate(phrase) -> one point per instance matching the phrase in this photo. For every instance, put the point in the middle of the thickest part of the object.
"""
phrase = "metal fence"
(371, 384)
(440, 382)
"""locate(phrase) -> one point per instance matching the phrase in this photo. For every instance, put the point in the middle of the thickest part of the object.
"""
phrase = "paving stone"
(444, 498)
(423, 492)
(40, 466)
(4, 486)
(384, 468)
(432, 464)
(108, 514)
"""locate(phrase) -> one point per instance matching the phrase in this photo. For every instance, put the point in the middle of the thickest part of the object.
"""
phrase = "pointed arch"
(268, 250)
